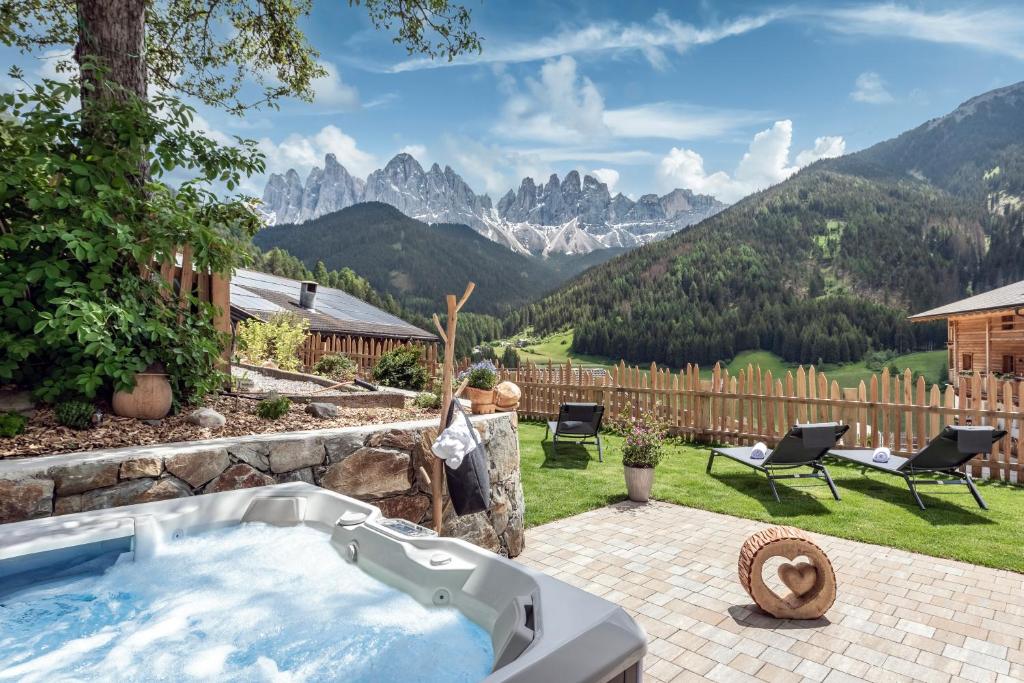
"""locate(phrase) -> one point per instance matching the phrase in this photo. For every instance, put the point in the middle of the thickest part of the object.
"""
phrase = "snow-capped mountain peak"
(570, 215)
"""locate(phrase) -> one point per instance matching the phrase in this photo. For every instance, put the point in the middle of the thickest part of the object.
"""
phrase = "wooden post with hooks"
(447, 396)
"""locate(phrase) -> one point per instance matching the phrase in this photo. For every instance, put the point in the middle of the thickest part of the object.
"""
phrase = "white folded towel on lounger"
(759, 451)
(881, 454)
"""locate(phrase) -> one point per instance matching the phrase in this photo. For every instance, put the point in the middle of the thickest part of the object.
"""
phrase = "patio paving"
(898, 615)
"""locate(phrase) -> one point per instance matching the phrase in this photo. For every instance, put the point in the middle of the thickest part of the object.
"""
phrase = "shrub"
(428, 400)
(74, 414)
(273, 407)
(401, 368)
(644, 438)
(510, 357)
(78, 314)
(279, 339)
(482, 375)
(12, 424)
(336, 366)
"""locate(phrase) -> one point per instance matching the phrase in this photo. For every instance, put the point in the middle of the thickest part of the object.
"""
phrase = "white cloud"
(418, 152)
(479, 165)
(825, 147)
(675, 121)
(559, 107)
(649, 39)
(608, 176)
(330, 92)
(302, 152)
(995, 29)
(870, 88)
(565, 107)
(765, 163)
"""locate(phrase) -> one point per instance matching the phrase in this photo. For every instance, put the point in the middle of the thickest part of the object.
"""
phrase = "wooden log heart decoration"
(812, 584)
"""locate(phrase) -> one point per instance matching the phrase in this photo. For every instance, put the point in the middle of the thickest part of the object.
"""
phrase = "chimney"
(307, 294)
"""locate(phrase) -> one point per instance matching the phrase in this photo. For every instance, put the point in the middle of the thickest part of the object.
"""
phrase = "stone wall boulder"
(25, 499)
(238, 476)
(370, 473)
(198, 467)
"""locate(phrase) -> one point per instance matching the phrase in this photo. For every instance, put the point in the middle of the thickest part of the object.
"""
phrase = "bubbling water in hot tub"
(252, 603)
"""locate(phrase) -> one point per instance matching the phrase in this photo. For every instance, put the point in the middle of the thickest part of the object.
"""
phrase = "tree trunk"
(111, 56)
(112, 36)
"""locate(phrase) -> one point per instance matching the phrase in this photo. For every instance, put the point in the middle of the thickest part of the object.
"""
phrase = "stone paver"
(898, 615)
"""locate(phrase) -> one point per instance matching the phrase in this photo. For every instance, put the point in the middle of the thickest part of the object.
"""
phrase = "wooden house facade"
(338, 321)
(985, 334)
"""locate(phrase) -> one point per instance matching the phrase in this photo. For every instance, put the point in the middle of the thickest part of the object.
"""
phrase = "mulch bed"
(44, 436)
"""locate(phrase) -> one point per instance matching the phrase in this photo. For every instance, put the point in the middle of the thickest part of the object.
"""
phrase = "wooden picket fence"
(891, 410)
(365, 351)
(178, 269)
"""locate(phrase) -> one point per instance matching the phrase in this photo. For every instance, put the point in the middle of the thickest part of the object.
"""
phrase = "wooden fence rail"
(891, 410)
(365, 351)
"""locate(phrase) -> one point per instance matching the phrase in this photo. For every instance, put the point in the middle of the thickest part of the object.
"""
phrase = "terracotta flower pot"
(149, 400)
(639, 481)
(481, 400)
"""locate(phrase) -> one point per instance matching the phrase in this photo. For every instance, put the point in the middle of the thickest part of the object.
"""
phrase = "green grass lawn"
(555, 347)
(875, 508)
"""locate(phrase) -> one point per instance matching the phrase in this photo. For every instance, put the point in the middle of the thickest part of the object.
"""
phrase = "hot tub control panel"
(406, 528)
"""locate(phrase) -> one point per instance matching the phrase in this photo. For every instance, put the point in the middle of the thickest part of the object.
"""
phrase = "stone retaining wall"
(378, 463)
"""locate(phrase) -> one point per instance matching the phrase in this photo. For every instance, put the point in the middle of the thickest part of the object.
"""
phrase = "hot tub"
(484, 611)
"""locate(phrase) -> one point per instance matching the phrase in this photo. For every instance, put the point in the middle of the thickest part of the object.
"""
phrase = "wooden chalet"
(985, 333)
(338, 321)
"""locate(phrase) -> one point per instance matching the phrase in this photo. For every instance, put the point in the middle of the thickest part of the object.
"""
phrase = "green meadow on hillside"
(556, 348)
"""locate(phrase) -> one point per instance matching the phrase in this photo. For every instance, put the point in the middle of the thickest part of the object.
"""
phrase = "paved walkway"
(674, 569)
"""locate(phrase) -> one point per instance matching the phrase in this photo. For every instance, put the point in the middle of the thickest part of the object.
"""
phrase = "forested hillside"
(824, 265)
(414, 262)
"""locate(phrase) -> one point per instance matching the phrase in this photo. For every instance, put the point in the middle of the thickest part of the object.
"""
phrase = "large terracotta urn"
(149, 400)
(481, 400)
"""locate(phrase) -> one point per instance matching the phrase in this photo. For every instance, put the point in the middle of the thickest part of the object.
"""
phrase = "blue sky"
(721, 97)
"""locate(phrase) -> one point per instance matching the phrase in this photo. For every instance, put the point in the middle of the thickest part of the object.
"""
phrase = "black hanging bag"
(469, 486)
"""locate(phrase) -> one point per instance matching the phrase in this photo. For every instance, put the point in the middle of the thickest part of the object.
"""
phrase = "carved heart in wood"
(799, 578)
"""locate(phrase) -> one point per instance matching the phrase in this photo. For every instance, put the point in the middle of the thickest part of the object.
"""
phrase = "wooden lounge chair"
(580, 422)
(943, 455)
(803, 446)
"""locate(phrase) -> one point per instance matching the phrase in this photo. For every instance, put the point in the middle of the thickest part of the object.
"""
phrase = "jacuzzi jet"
(442, 596)
(353, 551)
(178, 534)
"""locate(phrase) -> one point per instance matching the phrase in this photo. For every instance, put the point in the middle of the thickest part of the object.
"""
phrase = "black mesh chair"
(802, 446)
(953, 448)
(580, 422)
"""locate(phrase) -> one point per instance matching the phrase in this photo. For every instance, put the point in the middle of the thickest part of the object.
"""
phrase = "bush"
(12, 424)
(401, 368)
(74, 414)
(279, 339)
(482, 375)
(510, 357)
(336, 366)
(273, 407)
(644, 438)
(79, 316)
(428, 400)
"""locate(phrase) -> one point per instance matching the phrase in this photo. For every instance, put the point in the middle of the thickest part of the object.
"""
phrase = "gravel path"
(290, 387)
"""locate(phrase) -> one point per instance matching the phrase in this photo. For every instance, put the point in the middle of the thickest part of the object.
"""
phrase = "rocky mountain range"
(569, 215)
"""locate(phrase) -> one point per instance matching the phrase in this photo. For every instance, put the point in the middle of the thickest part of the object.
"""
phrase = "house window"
(1007, 322)
(1008, 364)
(967, 362)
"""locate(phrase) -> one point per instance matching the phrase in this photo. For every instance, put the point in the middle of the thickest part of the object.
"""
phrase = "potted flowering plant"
(482, 377)
(641, 453)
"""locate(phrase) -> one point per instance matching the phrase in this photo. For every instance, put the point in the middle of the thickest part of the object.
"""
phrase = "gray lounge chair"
(803, 446)
(945, 454)
(578, 421)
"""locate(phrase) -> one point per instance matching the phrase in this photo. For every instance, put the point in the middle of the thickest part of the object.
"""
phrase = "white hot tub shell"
(542, 630)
